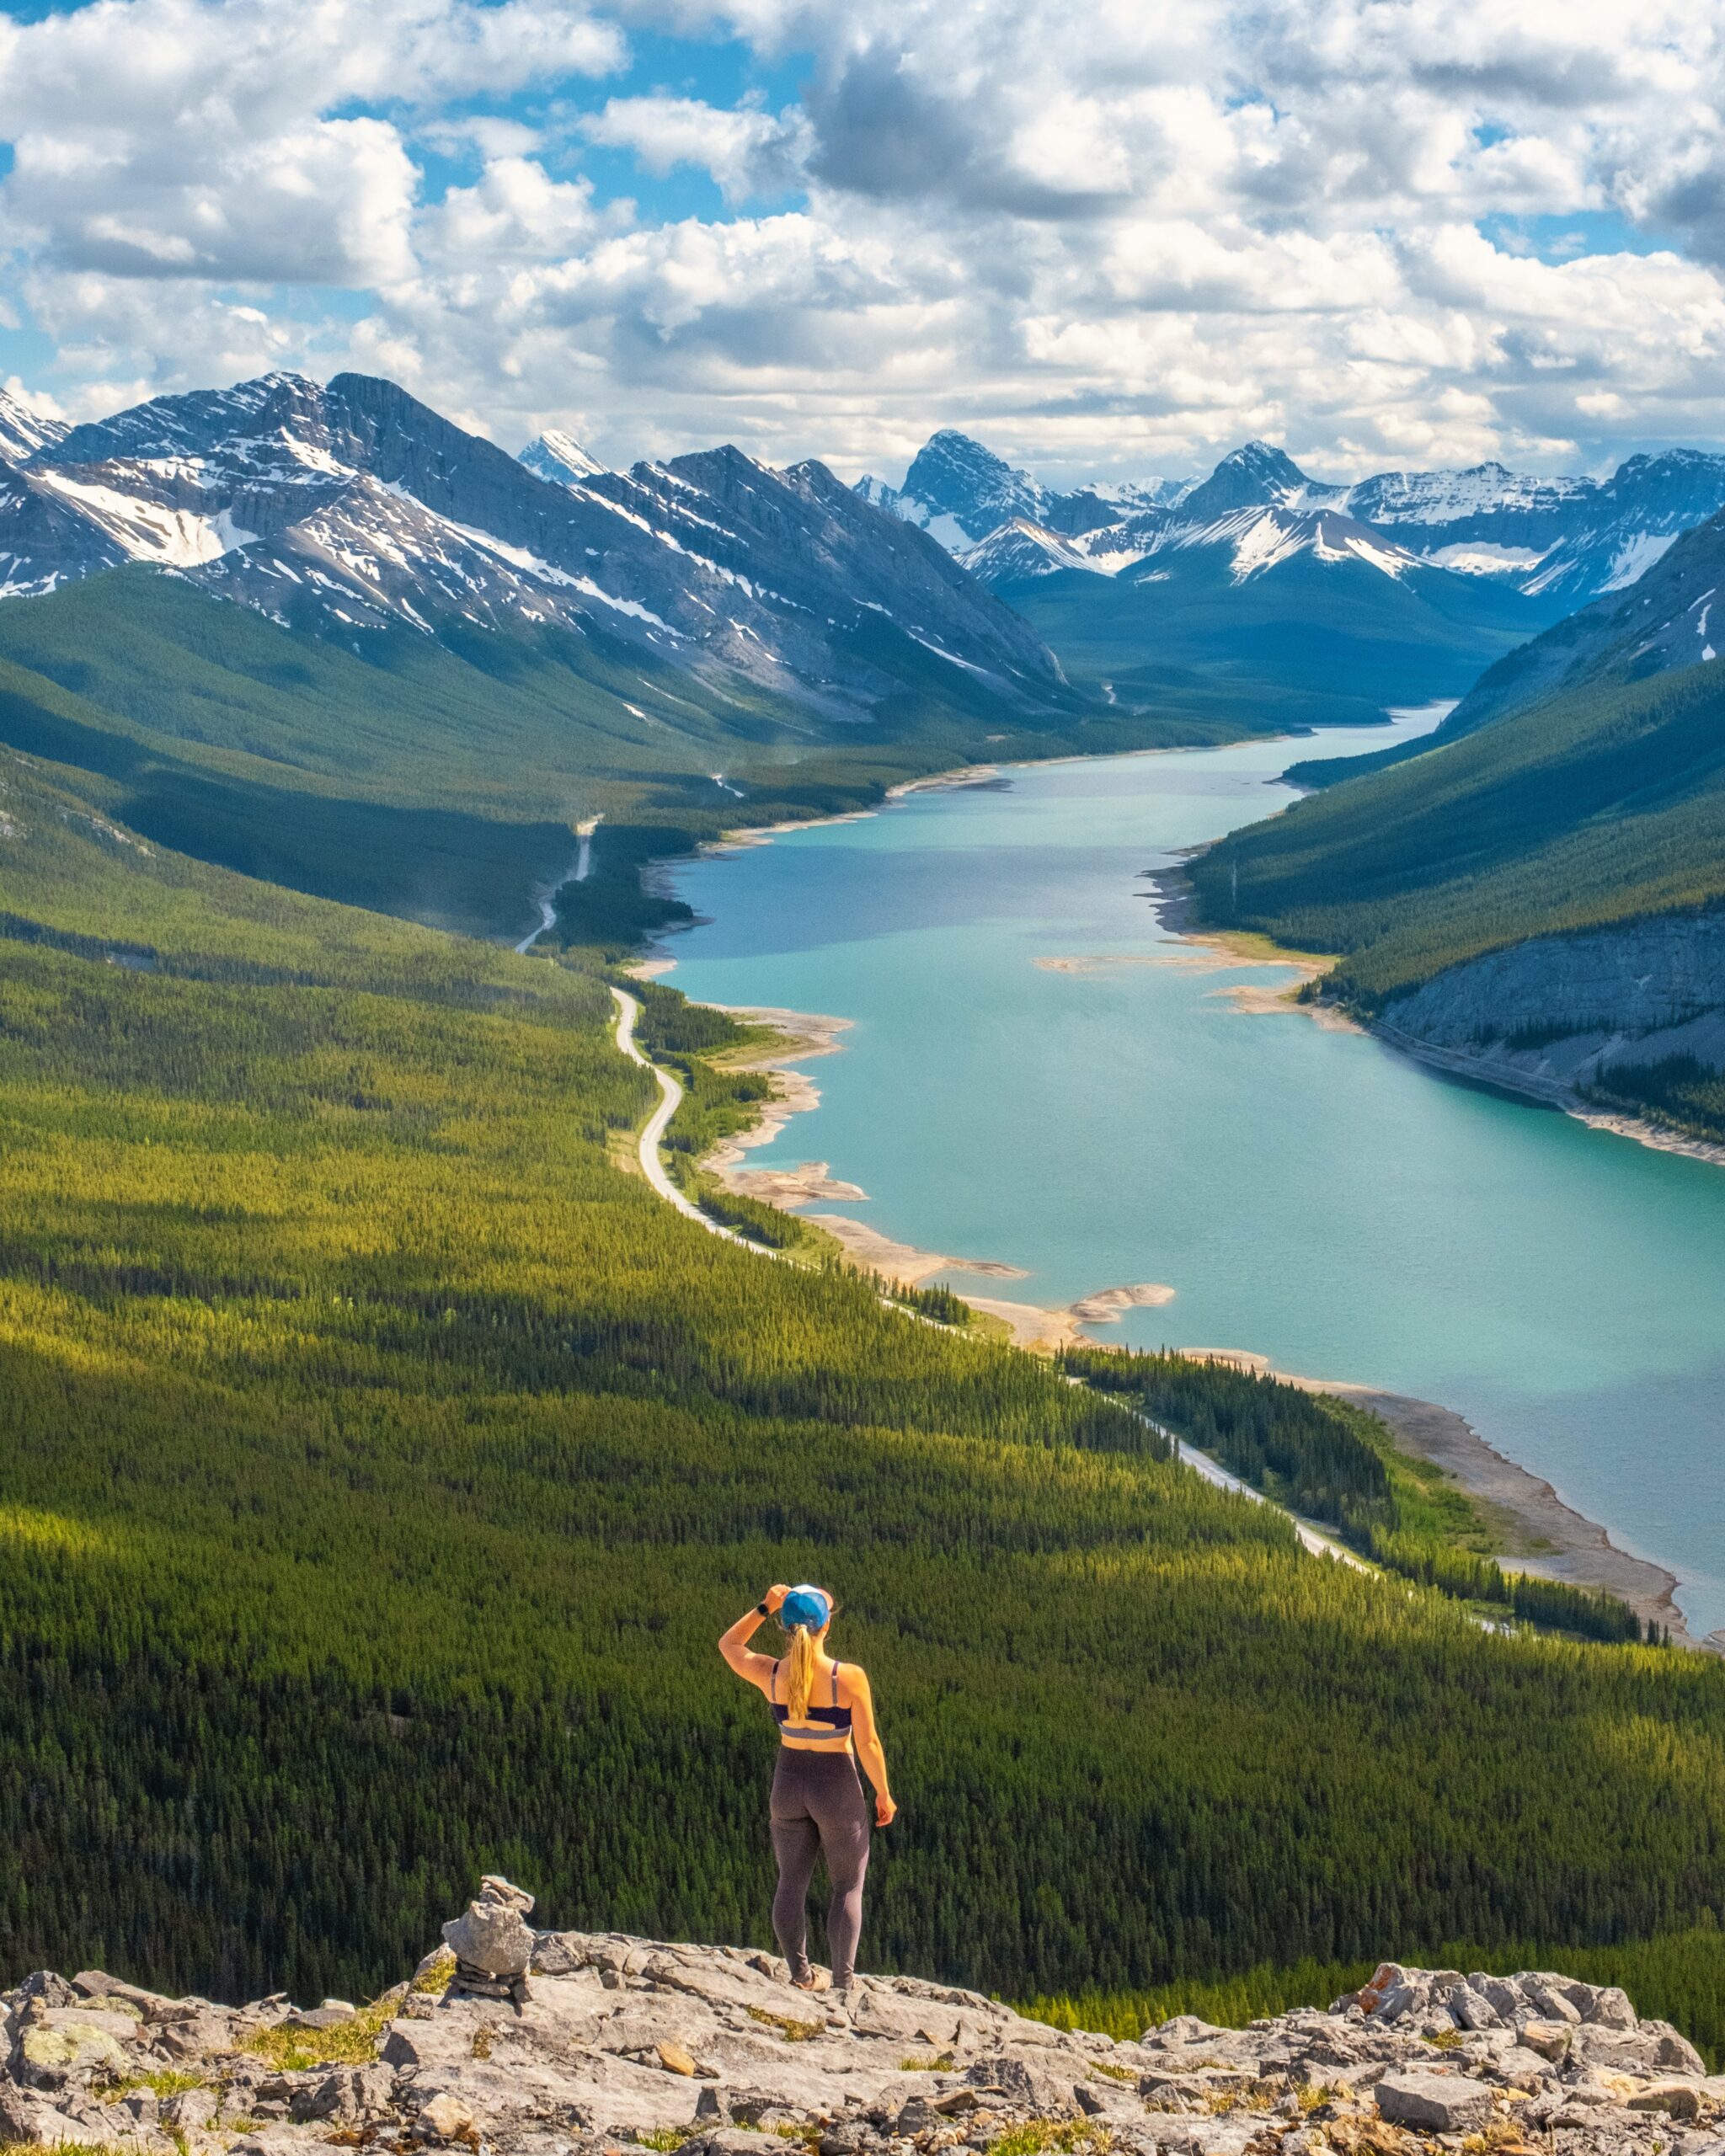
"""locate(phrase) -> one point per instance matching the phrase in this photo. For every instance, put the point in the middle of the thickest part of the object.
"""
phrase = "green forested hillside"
(379, 1461)
(1597, 806)
(440, 779)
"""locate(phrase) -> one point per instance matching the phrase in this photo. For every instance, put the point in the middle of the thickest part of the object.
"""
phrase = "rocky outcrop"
(607, 2041)
(1550, 1017)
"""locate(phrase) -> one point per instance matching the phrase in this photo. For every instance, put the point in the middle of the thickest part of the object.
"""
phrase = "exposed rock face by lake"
(567, 2041)
(1553, 1014)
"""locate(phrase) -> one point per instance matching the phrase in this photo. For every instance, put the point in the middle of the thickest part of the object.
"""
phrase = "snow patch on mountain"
(1478, 558)
(1635, 557)
(149, 531)
(1023, 550)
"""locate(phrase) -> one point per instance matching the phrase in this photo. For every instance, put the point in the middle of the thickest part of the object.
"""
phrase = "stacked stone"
(492, 1945)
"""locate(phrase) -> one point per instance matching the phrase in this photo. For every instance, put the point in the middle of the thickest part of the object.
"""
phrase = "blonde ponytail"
(799, 1666)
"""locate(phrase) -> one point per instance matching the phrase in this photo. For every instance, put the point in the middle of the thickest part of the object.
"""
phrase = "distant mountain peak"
(959, 491)
(1256, 475)
(559, 457)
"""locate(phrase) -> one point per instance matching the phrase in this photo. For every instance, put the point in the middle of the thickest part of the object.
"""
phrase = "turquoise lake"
(1308, 1193)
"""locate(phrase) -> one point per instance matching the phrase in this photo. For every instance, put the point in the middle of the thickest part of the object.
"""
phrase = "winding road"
(653, 1131)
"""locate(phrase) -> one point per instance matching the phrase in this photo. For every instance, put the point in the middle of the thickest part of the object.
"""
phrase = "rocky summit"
(510, 2039)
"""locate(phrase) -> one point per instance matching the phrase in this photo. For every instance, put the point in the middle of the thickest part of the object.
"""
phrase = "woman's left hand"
(886, 1811)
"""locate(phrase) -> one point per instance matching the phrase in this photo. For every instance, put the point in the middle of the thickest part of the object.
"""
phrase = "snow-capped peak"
(22, 432)
(1257, 475)
(559, 457)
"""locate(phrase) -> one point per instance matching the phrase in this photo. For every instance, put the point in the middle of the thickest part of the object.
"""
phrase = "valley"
(381, 1450)
(1305, 1194)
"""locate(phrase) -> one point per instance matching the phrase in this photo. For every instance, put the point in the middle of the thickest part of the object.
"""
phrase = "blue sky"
(1112, 240)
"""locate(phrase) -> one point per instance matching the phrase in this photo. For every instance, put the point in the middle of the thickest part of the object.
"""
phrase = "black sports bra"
(836, 1720)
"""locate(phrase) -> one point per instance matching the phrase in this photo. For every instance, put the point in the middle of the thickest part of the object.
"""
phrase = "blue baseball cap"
(805, 1605)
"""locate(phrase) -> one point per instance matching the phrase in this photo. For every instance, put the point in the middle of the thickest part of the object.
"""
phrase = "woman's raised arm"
(756, 1669)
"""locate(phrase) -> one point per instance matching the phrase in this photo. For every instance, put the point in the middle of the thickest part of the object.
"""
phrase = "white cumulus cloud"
(1110, 239)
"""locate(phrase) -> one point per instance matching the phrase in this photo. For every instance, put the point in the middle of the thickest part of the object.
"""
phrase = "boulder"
(1521, 2067)
(1610, 2008)
(46, 1988)
(1550, 2000)
(190, 2111)
(1677, 2099)
(1471, 2009)
(1550, 2038)
(61, 2043)
(491, 1934)
(1436, 2103)
(1675, 2050)
(203, 2033)
(1650, 2047)
(447, 2118)
(33, 2121)
(749, 2107)
(1500, 1993)
(349, 2094)
(1183, 2029)
(1023, 2078)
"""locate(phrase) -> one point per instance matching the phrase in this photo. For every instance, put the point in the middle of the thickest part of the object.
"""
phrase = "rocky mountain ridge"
(22, 432)
(351, 508)
(1560, 541)
(958, 493)
(509, 2039)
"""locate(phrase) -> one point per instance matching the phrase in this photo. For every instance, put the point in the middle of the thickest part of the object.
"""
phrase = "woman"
(820, 1706)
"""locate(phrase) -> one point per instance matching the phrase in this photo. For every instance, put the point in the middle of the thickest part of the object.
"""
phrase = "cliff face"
(570, 2043)
(1555, 1013)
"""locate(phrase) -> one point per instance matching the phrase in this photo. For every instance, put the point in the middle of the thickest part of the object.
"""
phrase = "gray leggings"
(819, 1809)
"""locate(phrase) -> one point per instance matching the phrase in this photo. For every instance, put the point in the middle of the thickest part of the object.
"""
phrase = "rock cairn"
(623, 2042)
(491, 1943)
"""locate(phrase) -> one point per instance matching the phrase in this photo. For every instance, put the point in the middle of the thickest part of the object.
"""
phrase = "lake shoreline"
(1543, 1534)
(1536, 1529)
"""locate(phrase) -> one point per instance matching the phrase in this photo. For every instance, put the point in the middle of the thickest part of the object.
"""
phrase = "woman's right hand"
(774, 1598)
(886, 1811)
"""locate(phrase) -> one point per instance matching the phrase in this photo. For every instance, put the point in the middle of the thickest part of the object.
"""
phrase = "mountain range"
(1262, 594)
(321, 635)
(1560, 540)
(341, 510)
(268, 614)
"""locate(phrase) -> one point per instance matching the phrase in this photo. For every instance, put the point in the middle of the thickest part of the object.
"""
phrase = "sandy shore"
(800, 1037)
(1539, 1534)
